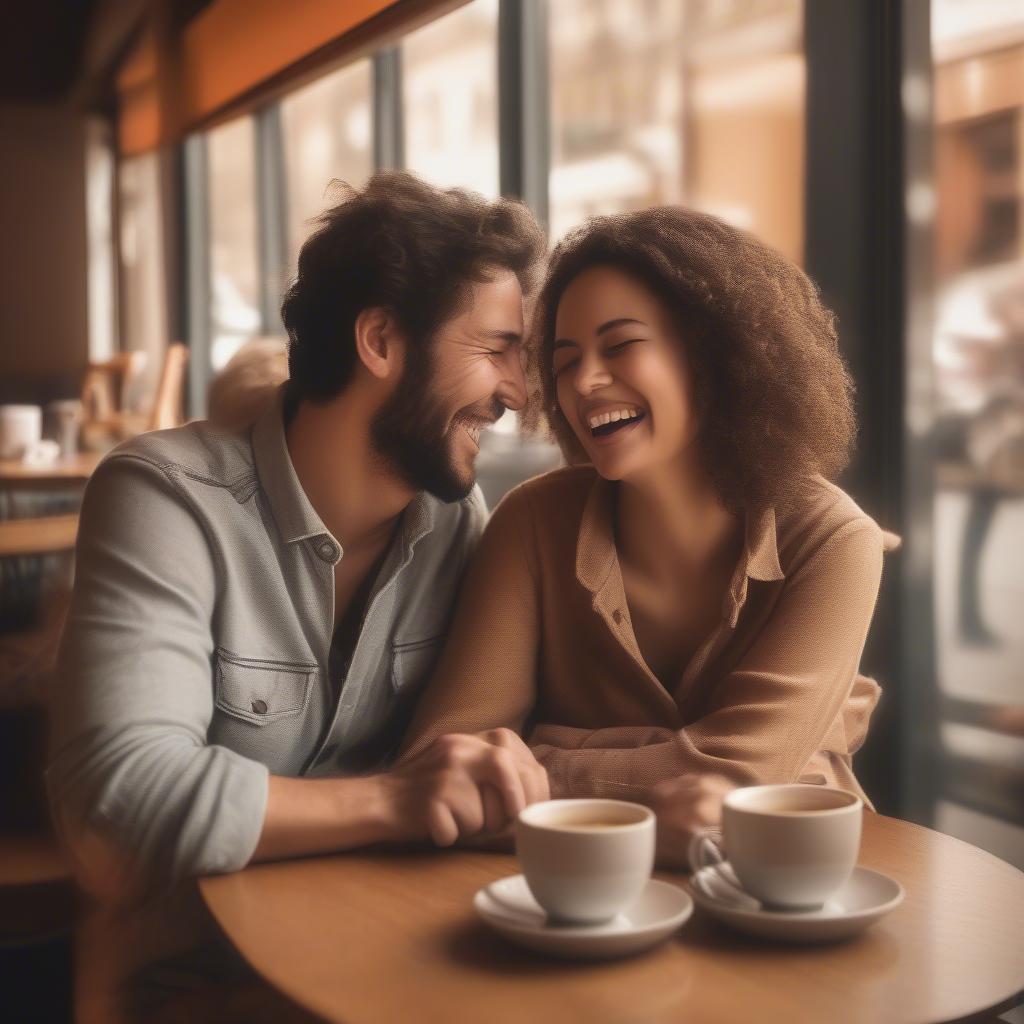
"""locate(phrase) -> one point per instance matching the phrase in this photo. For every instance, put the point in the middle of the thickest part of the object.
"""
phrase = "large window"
(668, 101)
(234, 239)
(327, 133)
(143, 293)
(978, 362)
(450, 98)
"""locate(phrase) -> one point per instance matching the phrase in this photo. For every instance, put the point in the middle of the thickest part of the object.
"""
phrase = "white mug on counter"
(21, 429)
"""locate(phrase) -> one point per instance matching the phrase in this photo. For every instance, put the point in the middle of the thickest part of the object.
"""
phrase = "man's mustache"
(489, 412)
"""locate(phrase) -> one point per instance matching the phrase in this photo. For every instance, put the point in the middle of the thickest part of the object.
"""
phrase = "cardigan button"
(617, 616)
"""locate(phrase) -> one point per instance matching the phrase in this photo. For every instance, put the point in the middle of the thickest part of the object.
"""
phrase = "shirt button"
(328, 551)
(617, 616)
(259, 707)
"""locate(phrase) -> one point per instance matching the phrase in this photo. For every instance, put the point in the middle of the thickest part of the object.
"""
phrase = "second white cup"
(791, 846)
(586, 860)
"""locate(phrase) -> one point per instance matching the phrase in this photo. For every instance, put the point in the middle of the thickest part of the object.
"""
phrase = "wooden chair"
(106, 422)
(169, 406)
(105, 385)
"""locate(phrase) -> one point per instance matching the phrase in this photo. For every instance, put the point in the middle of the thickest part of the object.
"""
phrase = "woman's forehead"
(602, 295)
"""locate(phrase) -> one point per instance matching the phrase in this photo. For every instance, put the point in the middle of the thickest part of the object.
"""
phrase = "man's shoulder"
(198, 452)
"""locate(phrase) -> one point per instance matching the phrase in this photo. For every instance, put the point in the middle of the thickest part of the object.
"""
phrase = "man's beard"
(412, 436)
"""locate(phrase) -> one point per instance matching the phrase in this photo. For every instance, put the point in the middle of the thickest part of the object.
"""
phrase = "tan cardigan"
(542, 643)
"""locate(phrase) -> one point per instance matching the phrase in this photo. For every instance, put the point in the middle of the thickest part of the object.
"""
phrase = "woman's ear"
(379, 343)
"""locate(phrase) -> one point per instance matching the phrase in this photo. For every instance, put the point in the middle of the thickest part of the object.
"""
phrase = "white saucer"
(863, 899)
(509, 908)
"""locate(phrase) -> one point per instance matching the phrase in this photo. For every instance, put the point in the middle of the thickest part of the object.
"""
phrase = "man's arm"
(140, 796)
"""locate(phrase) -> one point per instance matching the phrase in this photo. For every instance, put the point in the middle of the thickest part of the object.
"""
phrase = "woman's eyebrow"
(608, 325)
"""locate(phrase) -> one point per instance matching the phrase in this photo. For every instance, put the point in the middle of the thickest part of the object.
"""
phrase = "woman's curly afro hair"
(774, 398)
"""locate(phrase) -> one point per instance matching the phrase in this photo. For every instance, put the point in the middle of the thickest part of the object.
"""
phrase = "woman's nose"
(590, 375)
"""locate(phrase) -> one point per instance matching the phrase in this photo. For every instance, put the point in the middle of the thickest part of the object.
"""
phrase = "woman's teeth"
(608, 422)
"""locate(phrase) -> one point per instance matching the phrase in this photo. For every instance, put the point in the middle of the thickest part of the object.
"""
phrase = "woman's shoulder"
(553, 489)
(819, 514)
(553, 501)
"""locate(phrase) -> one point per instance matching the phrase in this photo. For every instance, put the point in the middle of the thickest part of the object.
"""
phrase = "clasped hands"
(467, 786)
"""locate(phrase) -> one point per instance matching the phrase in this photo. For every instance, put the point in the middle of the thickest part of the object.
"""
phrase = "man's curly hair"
(775, 400)
(407, 246)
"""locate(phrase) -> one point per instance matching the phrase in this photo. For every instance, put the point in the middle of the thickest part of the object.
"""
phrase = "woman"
(691, 596)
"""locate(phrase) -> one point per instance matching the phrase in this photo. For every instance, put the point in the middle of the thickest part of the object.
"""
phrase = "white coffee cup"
(21, 427)
(791, 846)
(586, 860)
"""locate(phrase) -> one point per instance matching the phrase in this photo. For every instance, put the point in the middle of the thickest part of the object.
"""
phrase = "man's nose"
(513, 387)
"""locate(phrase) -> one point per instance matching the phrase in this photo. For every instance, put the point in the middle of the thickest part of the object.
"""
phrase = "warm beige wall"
(43, 285)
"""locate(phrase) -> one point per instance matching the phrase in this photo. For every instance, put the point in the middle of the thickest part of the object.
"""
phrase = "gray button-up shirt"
(198, 650)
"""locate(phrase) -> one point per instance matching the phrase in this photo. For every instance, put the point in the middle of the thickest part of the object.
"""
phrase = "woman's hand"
(683, 805)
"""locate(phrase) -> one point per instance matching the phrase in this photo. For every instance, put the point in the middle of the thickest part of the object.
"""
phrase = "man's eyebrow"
(512, 337)
(608, 325)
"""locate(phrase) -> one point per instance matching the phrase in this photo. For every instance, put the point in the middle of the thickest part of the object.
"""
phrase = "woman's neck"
(671, 521)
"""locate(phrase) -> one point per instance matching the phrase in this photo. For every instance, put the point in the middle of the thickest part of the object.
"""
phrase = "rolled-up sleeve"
(139, 795)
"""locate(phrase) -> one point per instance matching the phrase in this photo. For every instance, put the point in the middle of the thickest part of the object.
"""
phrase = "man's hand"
(684, 805)
(463, 786)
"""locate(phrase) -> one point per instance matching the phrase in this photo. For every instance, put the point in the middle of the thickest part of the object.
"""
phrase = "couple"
(287, 641)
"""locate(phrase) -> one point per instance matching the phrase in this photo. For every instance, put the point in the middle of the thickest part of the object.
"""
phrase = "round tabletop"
(372, 937)
(73, 469)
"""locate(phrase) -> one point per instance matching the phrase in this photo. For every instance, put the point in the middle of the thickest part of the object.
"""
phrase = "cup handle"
(705, 848)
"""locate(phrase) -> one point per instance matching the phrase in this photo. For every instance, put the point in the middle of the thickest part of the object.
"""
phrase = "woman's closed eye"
(611, 350)
(621, 346)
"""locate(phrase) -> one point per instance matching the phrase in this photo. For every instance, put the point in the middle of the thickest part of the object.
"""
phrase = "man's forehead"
(496, 306)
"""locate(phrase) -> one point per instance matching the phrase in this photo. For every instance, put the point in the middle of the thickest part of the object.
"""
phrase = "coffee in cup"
(585, 860)
(791, 846)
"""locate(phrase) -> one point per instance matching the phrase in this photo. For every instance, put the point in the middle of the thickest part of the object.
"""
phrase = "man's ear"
(379, 343)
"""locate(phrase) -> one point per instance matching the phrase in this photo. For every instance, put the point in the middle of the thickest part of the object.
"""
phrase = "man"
(255, 612)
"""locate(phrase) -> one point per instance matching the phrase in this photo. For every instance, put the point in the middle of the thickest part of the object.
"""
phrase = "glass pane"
(696, 102)
(450, 98)
(143, 286)
(978, 354)
(328, 136)
(234, 241)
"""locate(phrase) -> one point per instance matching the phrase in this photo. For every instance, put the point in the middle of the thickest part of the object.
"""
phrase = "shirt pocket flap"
(261, 691)
(412, 660)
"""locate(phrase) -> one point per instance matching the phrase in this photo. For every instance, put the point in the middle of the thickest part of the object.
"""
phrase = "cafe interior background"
(162, 162)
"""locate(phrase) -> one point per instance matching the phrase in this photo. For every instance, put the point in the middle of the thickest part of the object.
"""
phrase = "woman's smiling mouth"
(614, 421)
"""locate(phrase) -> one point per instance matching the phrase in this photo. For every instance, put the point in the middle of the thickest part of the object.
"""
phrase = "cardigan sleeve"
(486, 675)
(767, 716)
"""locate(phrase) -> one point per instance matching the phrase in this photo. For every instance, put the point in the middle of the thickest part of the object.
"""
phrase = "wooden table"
(377, 937)
(76, 469)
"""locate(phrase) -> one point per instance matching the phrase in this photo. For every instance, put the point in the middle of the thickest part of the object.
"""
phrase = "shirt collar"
(596, 556)
(292, 510)
(294, 514)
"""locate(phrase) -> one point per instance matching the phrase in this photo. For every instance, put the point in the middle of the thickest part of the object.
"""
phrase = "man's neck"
(357, 498)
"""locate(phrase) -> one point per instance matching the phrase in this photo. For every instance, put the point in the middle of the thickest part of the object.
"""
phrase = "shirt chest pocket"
(411, 662)
(259, 691)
